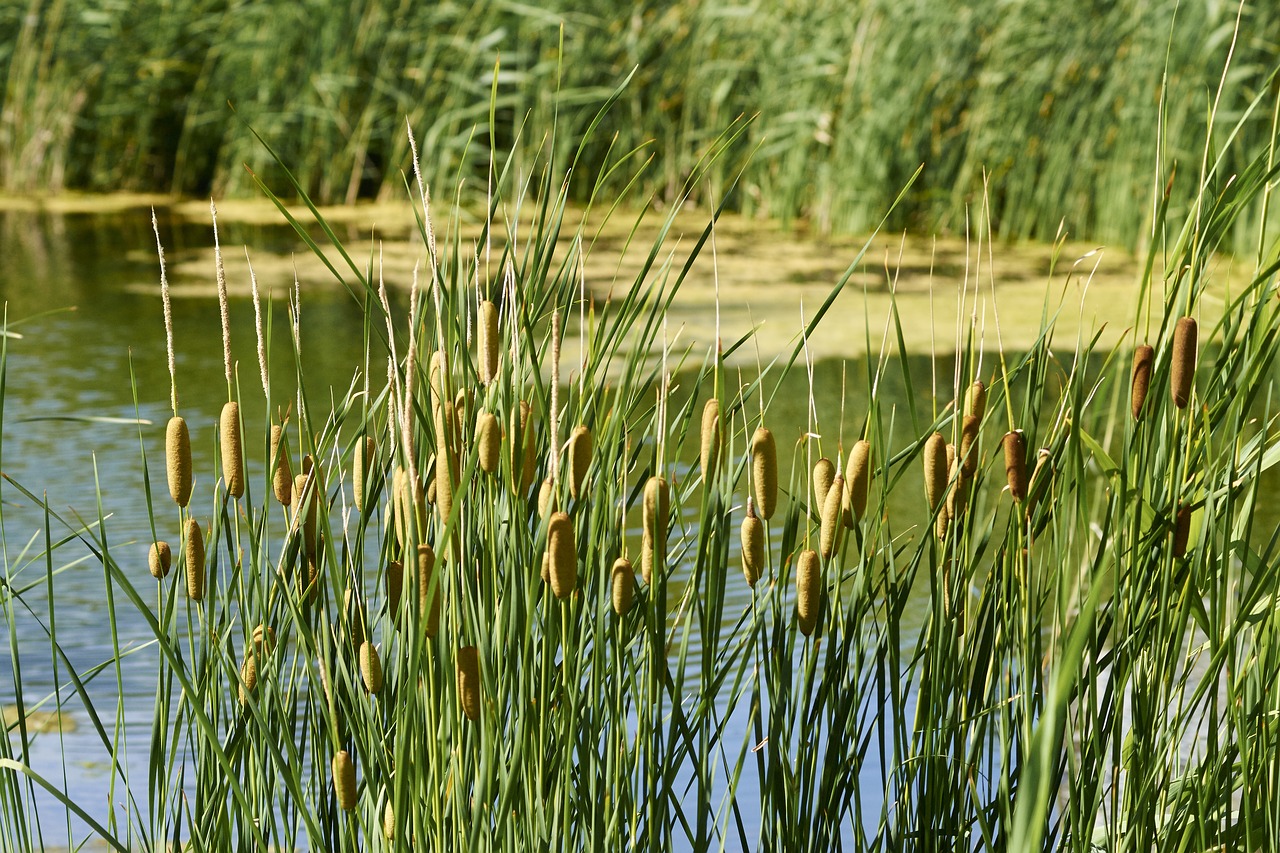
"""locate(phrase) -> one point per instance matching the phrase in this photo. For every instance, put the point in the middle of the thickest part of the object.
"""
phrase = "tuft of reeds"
(1182, 371)
(764, 471)
(177, 454)
(159, 557)
(1143, 361)
(232, 449)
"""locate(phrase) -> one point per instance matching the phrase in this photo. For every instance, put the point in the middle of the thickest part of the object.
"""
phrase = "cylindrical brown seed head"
(159, 558)
(489, 341)
(195, 561)
(546, 498)
(370, 667)
(752, 546)
(975, 400)
(1015, 464)
(282, 473)
(957, 497)
(446, 459)
(563, 551)
(764, 471)
(832, 521)
(1183, 370)
(623, 584)
(824, 472)
(969, 445)
(469, 682)
(935, 469)
(248, 676)
(1143, 359)
(808, 591)
(232, 449)
(579, 459)
(428, 598)
(437, 373)
(264, 640)
(711, 438)
(523, 447)
(489, 441)
(858, 479)
(656, 508)
(307, 500)
(361, 465)
(177, 457)
(395, 586)
(648, 556)
(344, 780)
(1181, 531)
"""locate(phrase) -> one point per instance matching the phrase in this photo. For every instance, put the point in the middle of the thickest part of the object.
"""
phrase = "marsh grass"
(1083, 678)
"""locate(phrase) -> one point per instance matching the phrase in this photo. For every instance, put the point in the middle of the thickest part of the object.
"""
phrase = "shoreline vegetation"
(1047, 111)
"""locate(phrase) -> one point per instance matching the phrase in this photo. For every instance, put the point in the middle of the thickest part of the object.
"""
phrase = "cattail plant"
(752, 545)
(1143, 360)
(248, 676)
(361, 465)
(832, 518)
(282, 473)
(580, 448)
(622, 583)
(344, 780)
(489, 441)
(824, 473)
(808, 590)
(764, 471)
(489, 341)
(394, 585)
(1015, 464)
(975, 401)
(428, 599)
(1181, 531)
(159, 558)
(195, 561)
(1183, 369)
(546, 498)
(857, 481)
(177, 455)
(562, 556)
(523, 448)
(969, 445)
(935, 469)
(469, 682)
(709, 455)
(370, 667)
(656, 509)
(232, 449)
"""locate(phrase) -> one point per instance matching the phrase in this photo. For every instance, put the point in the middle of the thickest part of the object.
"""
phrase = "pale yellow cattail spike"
(580, 448)
(969, 445)
(195, 561)
(562, 553)
(546, 498)
(489, 341)
(370, 667)
(159, 558)
(282, 475)
(344, 780)
(975, 401)
(711, 439)
(656, 511)
(832, 520)
(858, 480)
(469, 682)
(489, 441)
(752, 546)
(808, 591)
(935, 469)
(824, 472)
(361, 466)
(428, 598)
(764, 471)
(232, 449)
(622, 579)
(177, 455)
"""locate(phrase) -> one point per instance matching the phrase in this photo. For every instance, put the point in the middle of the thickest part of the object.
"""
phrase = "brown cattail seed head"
(489, 341)
(232, 450)
(711, 438)
(361, 465)
(469, 682)
(764, 471)
(195, 561)
(648, 556)
(437, 372)
(808, 591)
(579, 459)
(546, 497)
(1143, 359)
(563, 555)
(305, 495)
(264, 640)
(969, 445)
(282, 473)
(752, 546)
(832, 520)
(1038, 486)
(159, 559)
(656, 511)
(1183, 370)
(248, 676)
(395, 586)
(858, 479)
(1015, 464)
(623, 583)
(1181, 531)
(489, 440)
(177, 457)
(975, 401)
(344, 780)
(370, 667)
(824, 472)
(428, 598)
(446, 457)
(935, 469)
(523, 448)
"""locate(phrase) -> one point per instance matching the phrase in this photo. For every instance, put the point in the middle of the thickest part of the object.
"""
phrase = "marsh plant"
(411, 618)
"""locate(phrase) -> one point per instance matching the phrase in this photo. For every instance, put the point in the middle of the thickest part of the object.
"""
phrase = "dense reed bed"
(411, 618)
(1061, 107)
